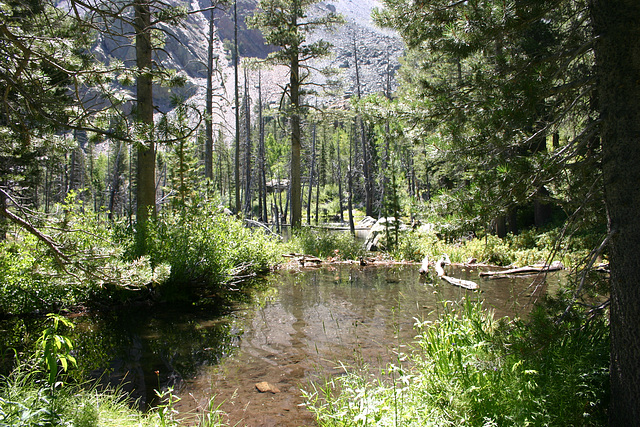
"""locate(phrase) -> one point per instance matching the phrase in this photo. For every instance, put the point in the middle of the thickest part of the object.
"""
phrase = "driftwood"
(424, 268)
(530, 269)
(467, 284)
(302, 258)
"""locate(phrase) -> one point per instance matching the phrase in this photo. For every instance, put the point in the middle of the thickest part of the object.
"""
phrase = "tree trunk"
(247, 155)
(352, 227)
(237, 105)
(366, 164)
(4, 222)
(339, 162)
(311, 173)
(617, 33)
(296, 145)
(261, 158)
(115, 180)
(146, 173)
(208, 146)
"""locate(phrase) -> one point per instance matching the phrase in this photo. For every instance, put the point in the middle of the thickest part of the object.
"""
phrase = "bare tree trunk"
(366, 164)
(247, 155)
(208, 146)
(262, 202)
(339, 161)
(296, 144)
(237, 106)
(4, 222)
(115, 180)
(311, 173)
(352, 226)
(146, 173)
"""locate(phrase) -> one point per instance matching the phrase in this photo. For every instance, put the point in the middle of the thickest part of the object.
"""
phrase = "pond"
(298, 328)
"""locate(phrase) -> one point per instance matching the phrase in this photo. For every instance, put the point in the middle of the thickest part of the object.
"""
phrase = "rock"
(378, 232)
(367, 221)
(264, 387)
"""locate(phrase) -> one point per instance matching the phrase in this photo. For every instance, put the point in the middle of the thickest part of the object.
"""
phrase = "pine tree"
(284, 23)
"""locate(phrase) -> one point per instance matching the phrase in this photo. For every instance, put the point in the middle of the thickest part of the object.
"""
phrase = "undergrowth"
(207, 248)
(324, 243)
(468, 368)
(39, 392)
(526, 248)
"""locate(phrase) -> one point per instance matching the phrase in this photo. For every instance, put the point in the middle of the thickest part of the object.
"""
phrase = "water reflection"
(316, 320)
(143, 349)
(301, 327)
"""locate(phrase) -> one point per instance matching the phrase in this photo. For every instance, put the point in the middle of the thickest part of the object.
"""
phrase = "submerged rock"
(265, 387)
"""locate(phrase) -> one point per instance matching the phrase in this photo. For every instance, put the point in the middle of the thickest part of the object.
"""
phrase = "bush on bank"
(208, 249)
(188, 249)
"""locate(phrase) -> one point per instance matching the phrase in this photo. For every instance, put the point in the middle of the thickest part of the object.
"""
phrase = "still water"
(304, 325)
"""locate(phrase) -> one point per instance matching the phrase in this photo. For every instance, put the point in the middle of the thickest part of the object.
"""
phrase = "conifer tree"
(284, 23)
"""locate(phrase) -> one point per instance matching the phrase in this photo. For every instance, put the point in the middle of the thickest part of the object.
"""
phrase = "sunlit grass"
(468, 368)
(323, 244)
(27, 400)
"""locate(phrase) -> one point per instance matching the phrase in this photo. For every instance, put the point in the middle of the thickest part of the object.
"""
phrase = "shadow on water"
(297, 329)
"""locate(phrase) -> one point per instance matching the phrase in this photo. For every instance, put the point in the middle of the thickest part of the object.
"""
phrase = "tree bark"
(311, 174)
(247, 155)
(146, 173)
(237, 105)
(366, 164)
(617, 32)
(296, 145)
(208, 146)
(339, 162)
(262, 180)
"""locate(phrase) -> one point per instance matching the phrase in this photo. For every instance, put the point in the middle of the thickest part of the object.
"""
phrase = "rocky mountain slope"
(186, 51)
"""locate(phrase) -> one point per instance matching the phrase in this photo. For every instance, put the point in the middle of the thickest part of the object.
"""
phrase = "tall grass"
(467, 368)
(323, 244)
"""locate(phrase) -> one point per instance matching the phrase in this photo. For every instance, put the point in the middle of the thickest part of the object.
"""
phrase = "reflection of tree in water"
(141, 349)
(18, 335)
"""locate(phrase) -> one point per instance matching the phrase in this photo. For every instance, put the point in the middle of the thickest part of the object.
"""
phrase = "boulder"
(378, 232)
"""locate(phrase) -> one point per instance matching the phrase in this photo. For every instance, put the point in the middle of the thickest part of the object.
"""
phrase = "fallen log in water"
(530, 269)
(444, 260)
(302, 258)
(467, 284)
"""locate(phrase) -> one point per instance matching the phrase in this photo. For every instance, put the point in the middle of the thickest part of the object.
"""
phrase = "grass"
(525, 249)
(468, 368)
(26, 400)
(323, 244)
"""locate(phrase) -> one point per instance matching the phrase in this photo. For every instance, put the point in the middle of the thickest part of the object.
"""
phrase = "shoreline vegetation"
(502, 372)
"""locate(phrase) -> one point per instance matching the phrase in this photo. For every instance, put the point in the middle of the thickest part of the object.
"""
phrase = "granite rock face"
(185, 50)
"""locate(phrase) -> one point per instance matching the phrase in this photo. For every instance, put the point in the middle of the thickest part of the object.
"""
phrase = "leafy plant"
(324, 243)
(469, 369)
(55, 347)
(207, 248)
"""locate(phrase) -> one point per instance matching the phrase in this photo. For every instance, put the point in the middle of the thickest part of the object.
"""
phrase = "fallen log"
(444, 260)
(530, 269)
(467, 284)
(302, 258)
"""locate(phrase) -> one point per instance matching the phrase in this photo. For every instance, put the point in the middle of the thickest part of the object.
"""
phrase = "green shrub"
(324, 243)
(92, 266)
(469, 369)
(521, 250)
(207, 248)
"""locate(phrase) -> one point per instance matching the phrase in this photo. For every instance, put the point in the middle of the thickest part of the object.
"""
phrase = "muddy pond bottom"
(314, 324)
